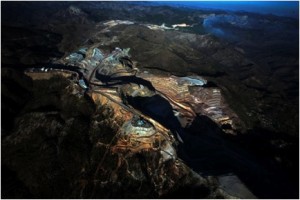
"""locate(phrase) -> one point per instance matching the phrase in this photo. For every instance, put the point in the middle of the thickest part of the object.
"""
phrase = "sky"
(280, 8)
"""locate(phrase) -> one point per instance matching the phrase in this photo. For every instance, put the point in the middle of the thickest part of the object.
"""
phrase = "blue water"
(279, 8)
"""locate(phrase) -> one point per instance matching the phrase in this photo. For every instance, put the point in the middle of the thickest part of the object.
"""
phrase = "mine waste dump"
(136, 104)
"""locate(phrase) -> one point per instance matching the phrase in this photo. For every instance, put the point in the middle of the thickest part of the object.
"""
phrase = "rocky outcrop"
(257, 69)
(61, 142)
(68, 145)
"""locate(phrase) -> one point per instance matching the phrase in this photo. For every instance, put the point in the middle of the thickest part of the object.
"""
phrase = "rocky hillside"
(60, 142)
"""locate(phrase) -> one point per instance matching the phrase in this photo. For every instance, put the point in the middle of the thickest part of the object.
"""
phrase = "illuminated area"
(148, 100)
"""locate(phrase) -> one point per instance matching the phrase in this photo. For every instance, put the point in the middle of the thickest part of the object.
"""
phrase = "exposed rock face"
(117, 146)
(251, 71)
(129, 135)
(79, 148)
(188, 96)
(60, 141)
(191, 98)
